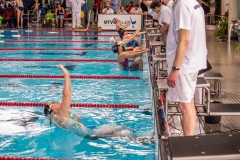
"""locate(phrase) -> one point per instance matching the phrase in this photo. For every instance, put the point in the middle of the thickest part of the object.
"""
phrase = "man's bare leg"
(189, 117)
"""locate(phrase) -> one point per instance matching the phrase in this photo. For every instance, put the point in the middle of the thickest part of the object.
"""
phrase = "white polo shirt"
(170, 4)
(77, 5)
(152, 13)
(133, 10)
(187, 14)
(109, 11)
(165, 15)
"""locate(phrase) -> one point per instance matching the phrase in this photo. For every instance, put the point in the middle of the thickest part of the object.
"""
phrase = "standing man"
(20, 9)
(97, 4)
(136, 10)
(76, 12)
(164, 13)
(186, 54)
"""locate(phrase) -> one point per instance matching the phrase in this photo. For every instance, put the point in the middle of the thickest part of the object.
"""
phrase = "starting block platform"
(211, 109)
(155, 44)
(220, 109)
(155, 37)
(216, 77)
(205, 147)
(154, 34)
(151, 29)
(201, 83)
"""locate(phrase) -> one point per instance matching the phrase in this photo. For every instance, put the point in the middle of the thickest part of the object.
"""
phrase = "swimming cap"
(47, 110)
(115, 48)
(112, 40)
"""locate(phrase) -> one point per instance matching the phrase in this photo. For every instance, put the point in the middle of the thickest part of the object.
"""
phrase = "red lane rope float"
(40, 30)
(60, 41)
(66, 35)
(78, 49)
(61, 76)
(77, 105)
(58, 60)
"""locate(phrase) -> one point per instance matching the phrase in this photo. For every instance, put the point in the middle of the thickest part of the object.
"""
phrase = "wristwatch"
(175, 68)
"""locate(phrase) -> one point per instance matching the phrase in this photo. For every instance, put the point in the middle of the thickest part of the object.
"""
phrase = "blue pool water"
(77, 68)
(26, 133)
(56, 45)
(61, 54)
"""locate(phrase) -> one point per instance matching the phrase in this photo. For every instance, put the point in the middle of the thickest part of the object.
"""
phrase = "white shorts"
(185, 88)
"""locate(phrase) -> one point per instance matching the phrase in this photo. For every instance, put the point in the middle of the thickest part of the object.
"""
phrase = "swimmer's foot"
(147, 111)
(145, 140)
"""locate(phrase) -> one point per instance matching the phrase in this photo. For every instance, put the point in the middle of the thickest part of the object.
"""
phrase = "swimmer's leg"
(136, 65)
(140, 50)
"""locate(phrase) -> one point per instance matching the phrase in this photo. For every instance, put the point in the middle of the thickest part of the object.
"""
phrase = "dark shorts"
(21, 8)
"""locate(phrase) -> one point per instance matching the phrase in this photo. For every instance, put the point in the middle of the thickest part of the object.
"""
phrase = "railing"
(38, 17)
(212, 19)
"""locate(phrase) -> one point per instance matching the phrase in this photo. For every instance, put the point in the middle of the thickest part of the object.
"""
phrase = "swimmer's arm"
(89, 15)
(140, 33)
(129, 48)
(67, 91)
(119, 25)
(133, 54)
(125, 41)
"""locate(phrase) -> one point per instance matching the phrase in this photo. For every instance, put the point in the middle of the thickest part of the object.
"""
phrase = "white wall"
(224, 7)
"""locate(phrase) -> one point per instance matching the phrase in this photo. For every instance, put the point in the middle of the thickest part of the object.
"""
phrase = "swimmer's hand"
(64, 70)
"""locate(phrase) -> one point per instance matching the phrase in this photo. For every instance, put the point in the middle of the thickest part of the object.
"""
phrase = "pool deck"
(225, 59)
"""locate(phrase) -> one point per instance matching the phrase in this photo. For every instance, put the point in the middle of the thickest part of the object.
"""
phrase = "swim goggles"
(50, 106)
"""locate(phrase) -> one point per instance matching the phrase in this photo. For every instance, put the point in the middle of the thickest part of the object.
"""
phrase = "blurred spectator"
(107, 10)
(121, 11)
(136, 10)
(2, 9)
(20, 10)
(168, 3)
(205, 6)
(129, 7)
(43, 10)
(8, 14)
(85, 10)
(150, 11)
(143, 6)
(113, 4)
(59, 13)
(35, 6)
(96, 8)
(76, 12)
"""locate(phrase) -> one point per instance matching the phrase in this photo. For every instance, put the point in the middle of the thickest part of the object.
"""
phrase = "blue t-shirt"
(84, 7)
(115, 8)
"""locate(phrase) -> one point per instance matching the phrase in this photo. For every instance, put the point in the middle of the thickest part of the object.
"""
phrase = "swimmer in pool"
(123, 54)
(61, 114)
(124, 35)
(20, 9)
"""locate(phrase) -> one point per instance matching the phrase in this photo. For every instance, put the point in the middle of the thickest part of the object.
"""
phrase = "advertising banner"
(107, 22)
